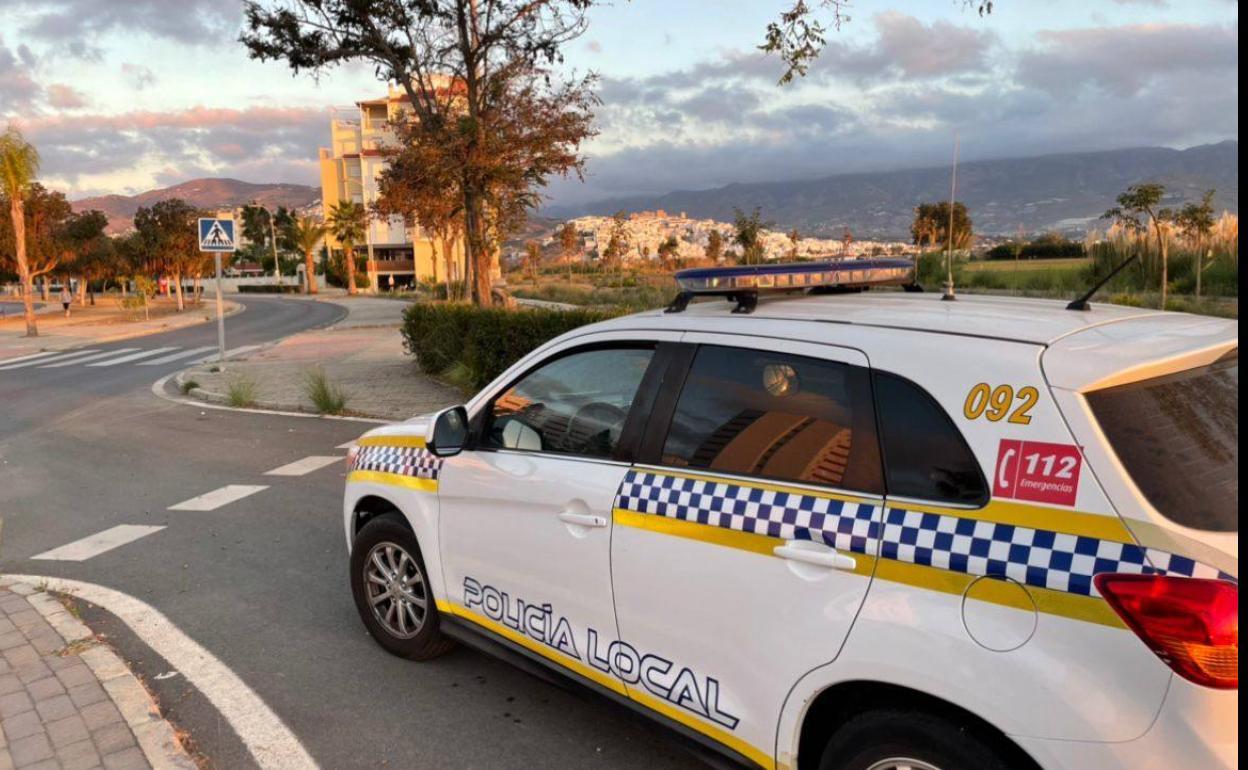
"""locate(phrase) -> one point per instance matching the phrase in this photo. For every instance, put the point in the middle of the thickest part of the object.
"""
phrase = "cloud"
(137, 75)
(18, 87)
(64, 97)
(896, 100)
(74, 25)
(261, 143)
(1124, 60)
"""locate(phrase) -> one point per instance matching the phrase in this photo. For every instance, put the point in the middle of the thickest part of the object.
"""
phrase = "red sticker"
(1037, 471)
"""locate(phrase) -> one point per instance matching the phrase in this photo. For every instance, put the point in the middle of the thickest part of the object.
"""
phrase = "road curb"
(158, 390)
(155, 736)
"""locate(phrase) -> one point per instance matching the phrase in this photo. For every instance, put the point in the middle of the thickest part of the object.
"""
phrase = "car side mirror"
(450, 432)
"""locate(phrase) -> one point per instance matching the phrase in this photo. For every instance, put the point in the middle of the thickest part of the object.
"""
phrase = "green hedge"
(472, 345)
(270, 288)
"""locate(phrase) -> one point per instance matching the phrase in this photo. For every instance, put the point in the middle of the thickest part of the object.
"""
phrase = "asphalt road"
(261, 582)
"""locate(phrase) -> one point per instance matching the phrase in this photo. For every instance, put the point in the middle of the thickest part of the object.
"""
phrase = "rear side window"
(925, 455)
(776, 416)
(1178, 438)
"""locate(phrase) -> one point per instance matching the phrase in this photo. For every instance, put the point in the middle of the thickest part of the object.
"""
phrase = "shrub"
(327, 397)
(240, 391)
(188, 386)
(270, 288)
(480, 343)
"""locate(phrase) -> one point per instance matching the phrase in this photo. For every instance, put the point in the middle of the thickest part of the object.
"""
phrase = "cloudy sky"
(124, 95)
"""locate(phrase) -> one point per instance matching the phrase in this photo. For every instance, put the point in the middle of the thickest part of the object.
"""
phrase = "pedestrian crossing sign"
(216, 234)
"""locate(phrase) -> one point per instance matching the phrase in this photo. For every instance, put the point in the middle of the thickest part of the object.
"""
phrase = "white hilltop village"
(646, 230)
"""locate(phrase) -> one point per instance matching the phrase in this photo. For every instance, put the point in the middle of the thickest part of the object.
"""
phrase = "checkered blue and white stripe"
(1037, 557)
(844, 526)
(402, 460)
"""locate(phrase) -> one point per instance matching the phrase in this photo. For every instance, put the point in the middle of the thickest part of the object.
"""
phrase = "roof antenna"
(948, 296)
(1082, 302)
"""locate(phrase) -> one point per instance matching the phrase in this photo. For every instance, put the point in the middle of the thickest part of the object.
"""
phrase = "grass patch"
(327, 397)
(240, 391)
(188, 386)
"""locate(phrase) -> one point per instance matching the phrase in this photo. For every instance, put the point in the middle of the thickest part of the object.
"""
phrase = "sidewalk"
(66, 701)
(362, 354)
(106, 321)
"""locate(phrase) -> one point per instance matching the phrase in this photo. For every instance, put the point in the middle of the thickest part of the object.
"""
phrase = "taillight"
(1191, 624)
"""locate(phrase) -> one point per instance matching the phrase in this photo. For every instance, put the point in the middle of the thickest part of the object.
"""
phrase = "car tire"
(887, 739)
(392, 591)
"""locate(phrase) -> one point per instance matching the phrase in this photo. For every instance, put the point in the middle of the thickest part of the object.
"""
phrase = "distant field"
(1024, 265)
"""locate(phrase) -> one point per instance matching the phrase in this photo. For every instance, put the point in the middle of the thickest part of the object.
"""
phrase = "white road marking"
(304, 466)
(62, 357)
(218, 497)
(132, 357)
(228, 354)
(266, 736)
(349, 445)
(176, 356)
(100, 542)
(32, 356)
(77, 361)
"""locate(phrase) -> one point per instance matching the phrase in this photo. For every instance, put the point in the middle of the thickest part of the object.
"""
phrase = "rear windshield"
(1178, 437)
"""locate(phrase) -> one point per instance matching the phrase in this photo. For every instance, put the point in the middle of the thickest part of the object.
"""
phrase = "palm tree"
(19, 163)
(307, 233)
(346, 222)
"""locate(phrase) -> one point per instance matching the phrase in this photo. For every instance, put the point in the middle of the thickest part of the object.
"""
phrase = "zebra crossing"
(123, 534)
(94, 357)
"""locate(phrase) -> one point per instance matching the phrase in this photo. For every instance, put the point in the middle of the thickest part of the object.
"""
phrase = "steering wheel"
(589, 424)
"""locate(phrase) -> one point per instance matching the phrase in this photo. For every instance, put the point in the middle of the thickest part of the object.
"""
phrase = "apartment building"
(350, 169)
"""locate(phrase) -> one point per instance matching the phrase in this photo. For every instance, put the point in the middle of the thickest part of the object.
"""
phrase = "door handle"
(582, 519)
(809, 552)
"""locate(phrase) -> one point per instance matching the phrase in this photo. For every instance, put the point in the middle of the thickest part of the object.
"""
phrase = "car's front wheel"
(392, 592)
(907, 740)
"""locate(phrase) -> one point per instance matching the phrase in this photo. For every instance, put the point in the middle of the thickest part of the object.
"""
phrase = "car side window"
(778, 416)
(575, 404)
(925, 456)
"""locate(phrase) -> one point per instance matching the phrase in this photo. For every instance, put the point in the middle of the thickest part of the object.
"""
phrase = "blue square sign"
(216, 234)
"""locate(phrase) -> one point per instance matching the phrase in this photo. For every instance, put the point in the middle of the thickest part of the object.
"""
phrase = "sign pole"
(217, 235)
(220, 311)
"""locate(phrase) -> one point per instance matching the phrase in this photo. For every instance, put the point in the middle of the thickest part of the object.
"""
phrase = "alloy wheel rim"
(902, 763)
(395, 588)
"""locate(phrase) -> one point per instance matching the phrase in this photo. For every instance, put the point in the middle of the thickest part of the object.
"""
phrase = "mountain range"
(207, 194)
(1064, 193)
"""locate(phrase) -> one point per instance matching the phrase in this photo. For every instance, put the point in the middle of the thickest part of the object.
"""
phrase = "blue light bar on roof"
(833, 273)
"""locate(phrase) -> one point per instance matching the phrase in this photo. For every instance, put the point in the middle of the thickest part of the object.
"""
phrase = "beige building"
(350, 168)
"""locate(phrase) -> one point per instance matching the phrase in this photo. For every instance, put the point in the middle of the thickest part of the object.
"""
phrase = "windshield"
(1178, 437)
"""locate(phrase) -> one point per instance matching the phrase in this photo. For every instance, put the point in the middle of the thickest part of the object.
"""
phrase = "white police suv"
(842, 530)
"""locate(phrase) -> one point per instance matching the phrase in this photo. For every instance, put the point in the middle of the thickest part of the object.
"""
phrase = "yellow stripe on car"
(394, 480)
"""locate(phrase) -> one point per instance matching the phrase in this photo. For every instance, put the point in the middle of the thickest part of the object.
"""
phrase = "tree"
(749, 234)
(797, 36)
(714, 246)
(1196, 220)
(794, 239)
(88, 248)
(169, 232)
(418, 186)
(45, 213)
(306, 234)
(347, 220)
(480, 86)
(847, 240)
(19, 164)
(569, 245)
(617, 241)
(532, 258)
(931, 223)
(668, 250)
(924, 227)
(1144, 200)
